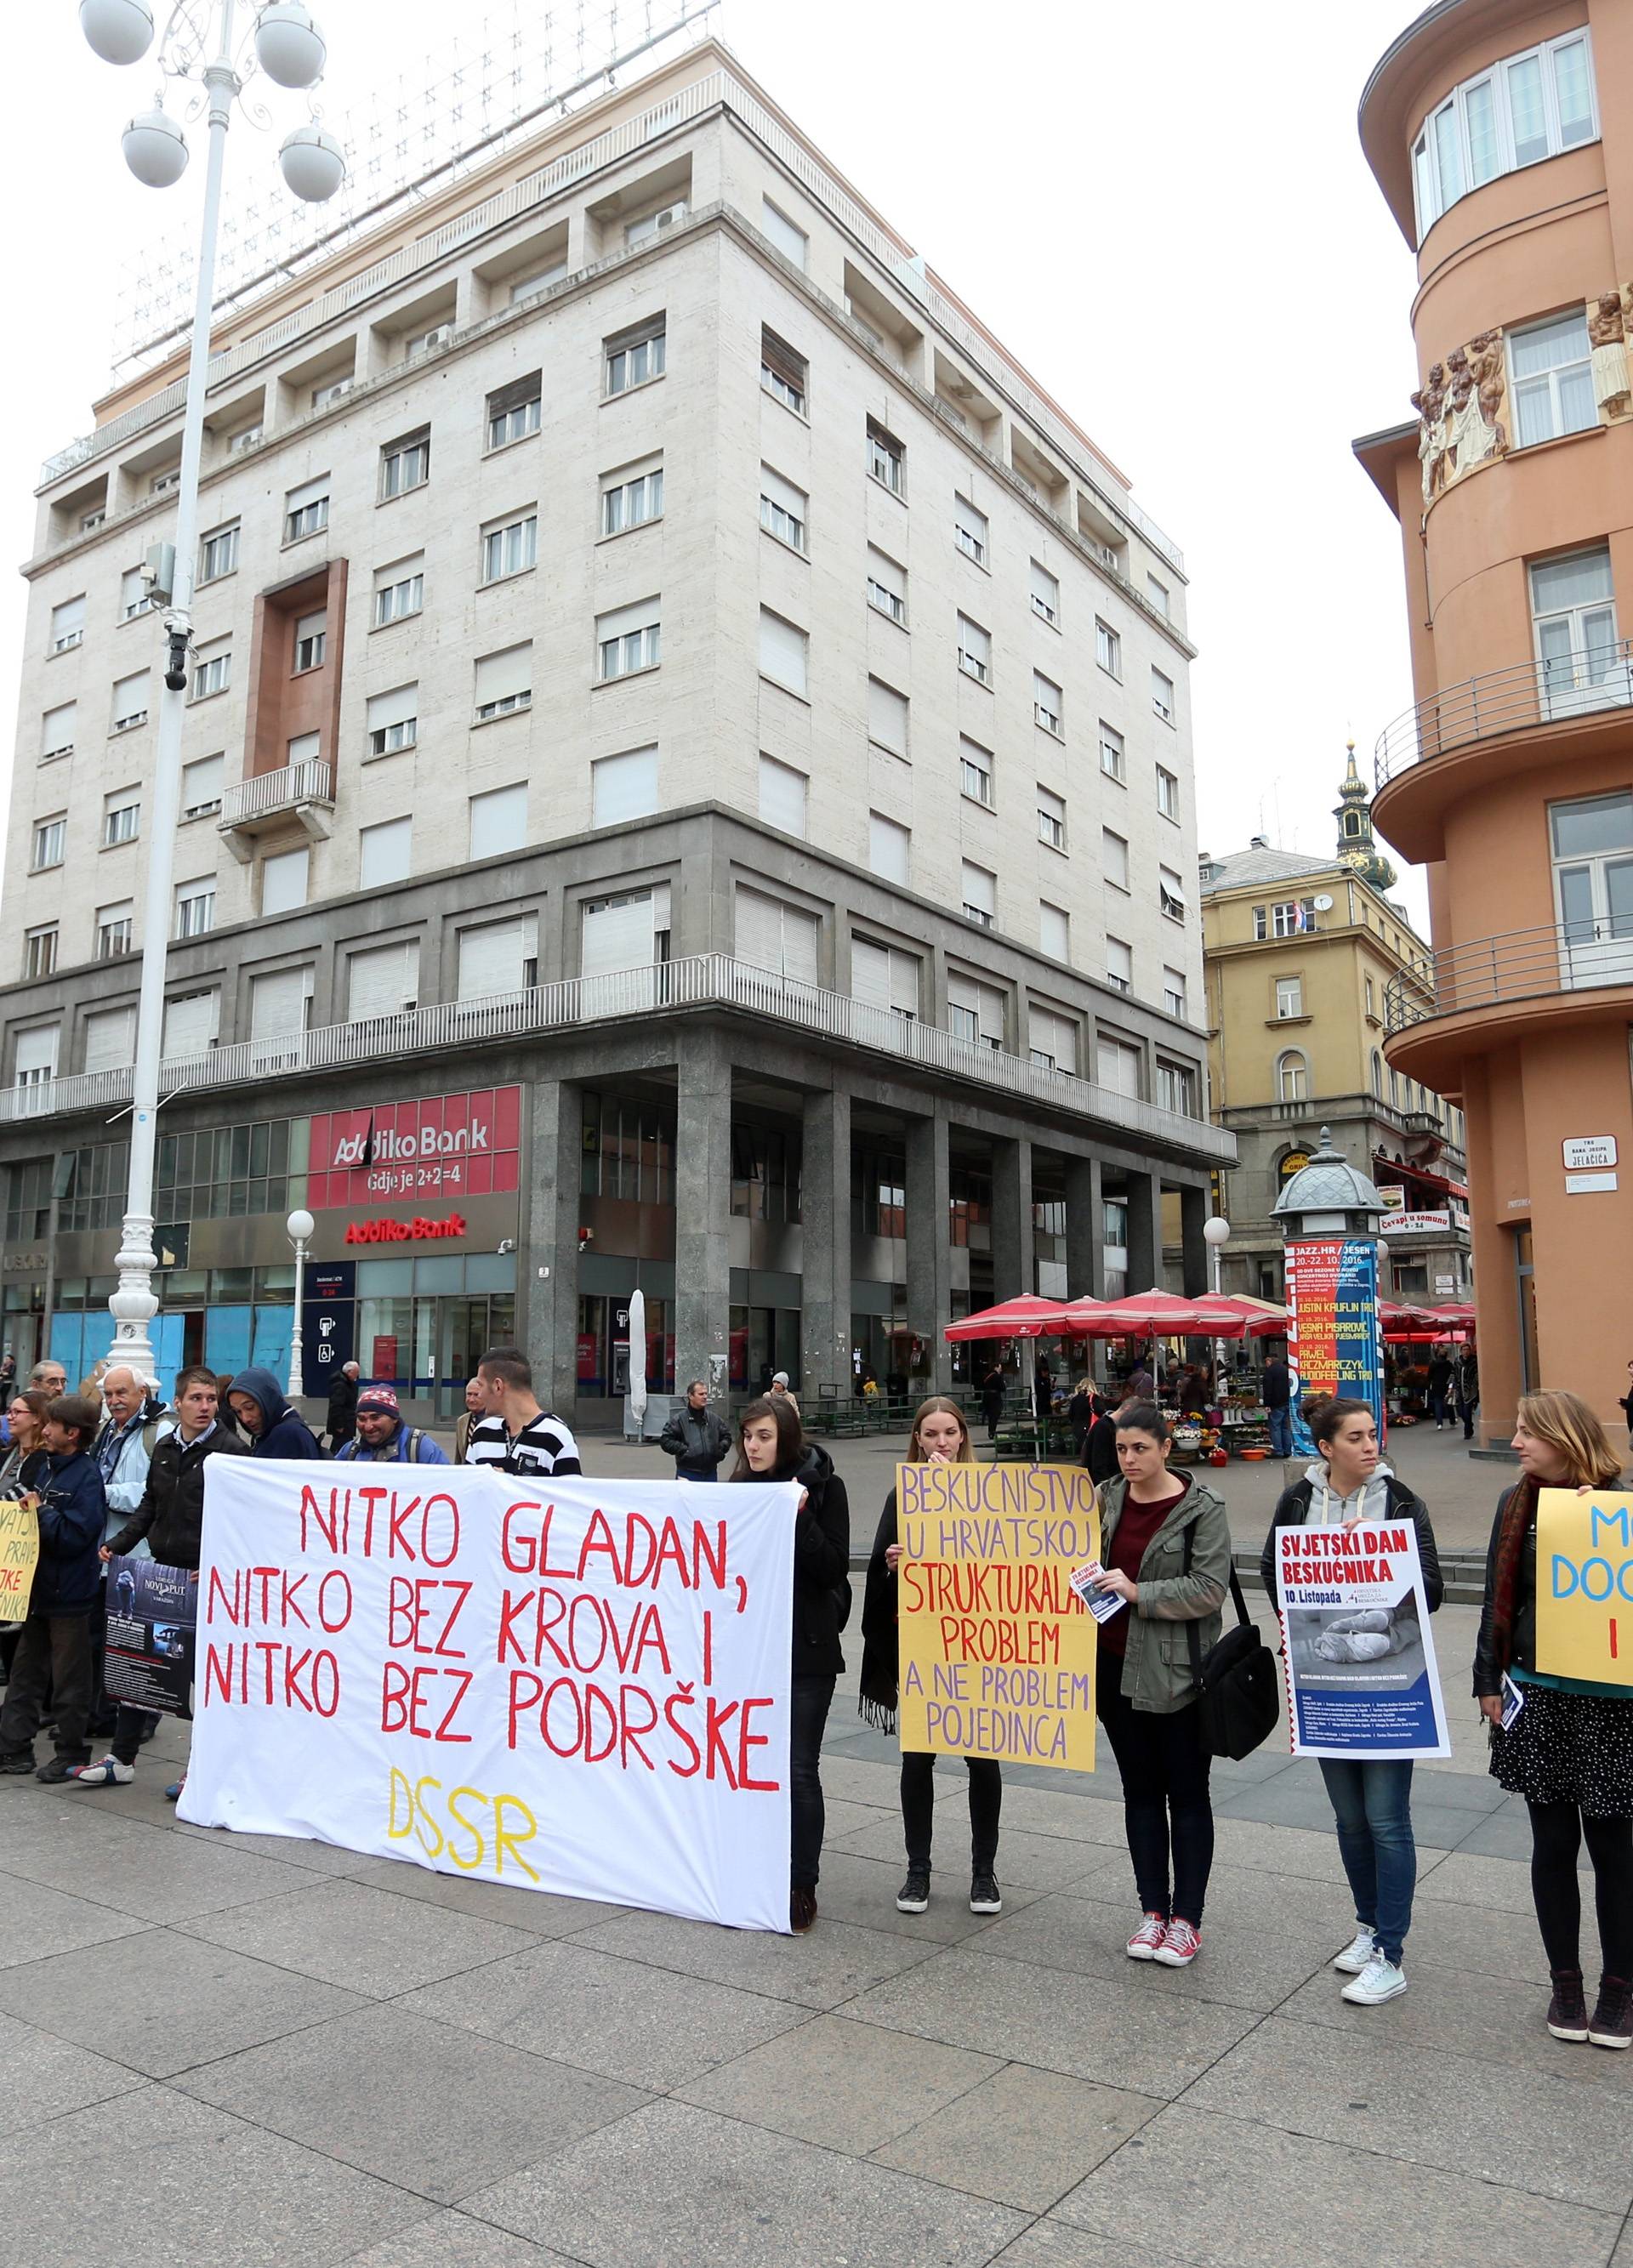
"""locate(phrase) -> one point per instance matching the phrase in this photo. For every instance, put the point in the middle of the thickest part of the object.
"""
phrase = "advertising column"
(1334, 1344)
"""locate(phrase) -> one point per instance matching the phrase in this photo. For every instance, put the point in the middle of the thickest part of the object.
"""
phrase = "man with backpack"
(382, 1439)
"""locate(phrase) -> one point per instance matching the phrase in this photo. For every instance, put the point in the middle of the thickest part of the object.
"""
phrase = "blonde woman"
(940, 1436)
(1569, 1751)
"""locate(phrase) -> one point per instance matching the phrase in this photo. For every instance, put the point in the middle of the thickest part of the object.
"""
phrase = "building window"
(1592, 850)
(975, 1012)
(1174, 991)
(195, 908)
(790, 241)
(1378, 1075)
(1574, 622)
(1119, 965)
(505, 681)
(1046, 596)
(1112, 759)
(306, 510)
(393, 720)
(883, 977)
(784, 796)
(1170, 894)
(1176, 1088)
(246, 438)
(1290, 996)
(134, 597)
(516, 410)
(536, 280)
(499, 821)
(1114, 859)
(35, 1061)
(887, 586)
(161, 483)
(1527, 107)
(1167, 793)
(975, 773)
(405, 464)
(634, 358)
(1290, 918)
(334, 390)
(311, 641)
(121, 818)
(628, 639)
(1050, 818)
(888, 718)
(399, 590)
(1108, 648)
(1052, 1040)
(1292, 1077)
(623, 787)
(510, 546)
(1048, 704)
(782, 372)
(980, 894)
(114, 930)
(782, 509)
(975, 650)
(1158, 594)
(39, 951)
(1162, 696)
(68, 624)
(632, 496)
(1118, 1065)
(1372, 999)
(886, 457)
(888, 844)
(783, 651)
(201, 786)
(1054, 931)
(218, 553)
(129, 702)
(384, 852)
(970, 530)
(212, 673)
(57, 730)
(1550, 366)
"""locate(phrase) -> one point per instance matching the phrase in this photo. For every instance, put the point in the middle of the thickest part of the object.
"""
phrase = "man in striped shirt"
(516, 1435)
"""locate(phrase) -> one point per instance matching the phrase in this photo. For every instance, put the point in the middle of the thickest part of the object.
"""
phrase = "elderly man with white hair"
(122, 1451)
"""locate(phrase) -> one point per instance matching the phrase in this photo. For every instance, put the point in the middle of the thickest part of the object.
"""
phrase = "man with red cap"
(382, 1439)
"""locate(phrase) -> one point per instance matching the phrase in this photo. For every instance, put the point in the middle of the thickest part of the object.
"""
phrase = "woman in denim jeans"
(1349, 1486)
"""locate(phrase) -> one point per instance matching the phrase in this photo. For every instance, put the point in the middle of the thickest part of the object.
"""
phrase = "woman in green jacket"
(1165, 1552)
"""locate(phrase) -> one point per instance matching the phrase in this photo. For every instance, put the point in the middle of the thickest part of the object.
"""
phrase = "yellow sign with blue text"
(1585, 1586)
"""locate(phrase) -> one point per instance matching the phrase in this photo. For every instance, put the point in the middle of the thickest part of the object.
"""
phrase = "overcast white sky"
(1161, 211)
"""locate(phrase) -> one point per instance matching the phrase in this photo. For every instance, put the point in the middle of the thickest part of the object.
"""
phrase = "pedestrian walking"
(381, 1437)
(1100, 1447)
(1569, 1749)
(1466, 1390)
(272, 1426)
(1348, 1485)
(1440, 1387)
(342, 1423)
(1043, 1388)
(476, 1409)
(771, 1446)
(777, 1390)
(940, 1436)
(170, 1522)
(696, 1436)
(1165, 1551)
(994, 1389)
(1278, 1395)
(518, 1435)
(53, 1645)
(1080, 1415)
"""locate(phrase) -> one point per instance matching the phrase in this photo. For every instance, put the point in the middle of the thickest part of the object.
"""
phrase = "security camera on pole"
(198, 44)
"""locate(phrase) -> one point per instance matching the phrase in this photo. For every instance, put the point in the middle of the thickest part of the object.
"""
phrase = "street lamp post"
(1216, 1236)
(301, 1228)
(289, 49)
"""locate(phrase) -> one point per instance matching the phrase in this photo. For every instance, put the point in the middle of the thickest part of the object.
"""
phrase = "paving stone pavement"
(263, 2052)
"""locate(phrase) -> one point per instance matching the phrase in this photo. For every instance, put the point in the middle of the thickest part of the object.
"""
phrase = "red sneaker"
(1152, 1933)
(1179, 1946)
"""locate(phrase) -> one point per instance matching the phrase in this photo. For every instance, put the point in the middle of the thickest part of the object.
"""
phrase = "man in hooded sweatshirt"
(263, 1411)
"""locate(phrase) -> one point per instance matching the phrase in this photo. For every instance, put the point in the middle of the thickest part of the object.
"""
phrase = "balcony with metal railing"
(658, 990)
(1566, 690)
(305, 790)
(1518, 965)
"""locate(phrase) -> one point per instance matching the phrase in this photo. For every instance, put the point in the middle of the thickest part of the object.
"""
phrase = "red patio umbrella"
(1263, 1319)
(1027, 1317)
(1153, 1314)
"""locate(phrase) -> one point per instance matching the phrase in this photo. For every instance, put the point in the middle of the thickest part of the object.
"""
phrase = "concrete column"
(1014, 1244)
(930, 1251)
(1085, 1229)
(703, 1209)
(548, 1307)
(1193, 1245)
(825, 1242)
(1145, 1229)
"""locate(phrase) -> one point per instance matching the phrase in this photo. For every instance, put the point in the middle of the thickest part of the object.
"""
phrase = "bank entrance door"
(467, 1328)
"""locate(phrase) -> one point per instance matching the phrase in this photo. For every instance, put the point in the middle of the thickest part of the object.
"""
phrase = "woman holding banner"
(1165, 1552)
(1348, 1486)
(1562, 1743)
(940, 1436)
(771, 1447)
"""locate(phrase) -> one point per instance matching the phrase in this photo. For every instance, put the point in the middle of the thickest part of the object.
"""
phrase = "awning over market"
(1025, 1317)
(1155, 1315)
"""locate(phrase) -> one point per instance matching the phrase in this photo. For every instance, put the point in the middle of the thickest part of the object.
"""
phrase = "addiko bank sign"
(449, 1148)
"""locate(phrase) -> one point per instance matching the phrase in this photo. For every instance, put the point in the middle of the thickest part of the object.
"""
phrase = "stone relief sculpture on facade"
(1460, 412)
(1607, 335)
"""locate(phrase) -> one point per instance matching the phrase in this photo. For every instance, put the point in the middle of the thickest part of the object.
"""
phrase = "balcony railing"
(705, 981)
(1515, 700)
(1521, 964)
(270, 794)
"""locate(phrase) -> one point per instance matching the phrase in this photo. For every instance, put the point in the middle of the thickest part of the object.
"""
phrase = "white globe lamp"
(289, 46)
(313, 164)
(301, 1228)
(1216, 1231)
(119, 31)
(155, 149)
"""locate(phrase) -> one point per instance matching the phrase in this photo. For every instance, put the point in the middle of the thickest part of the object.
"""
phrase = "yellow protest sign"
(1585, 1586)
(19, 1552)
(997, 1650)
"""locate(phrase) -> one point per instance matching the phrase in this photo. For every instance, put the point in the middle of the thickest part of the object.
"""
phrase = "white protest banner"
(1362, 1679)
(572, 1685)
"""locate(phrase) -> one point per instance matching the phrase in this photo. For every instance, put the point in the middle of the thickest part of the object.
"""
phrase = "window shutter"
(277, 1003)
(1045, 590)
(782, 651)
(36, 1053)
(886, 572)
(521, 390)
(619, 933)
(392, 707)
(67, 619)
(495, 957)
(130, 694)
(782, 796)
(499, 676)
(191, 1025)
(58, 728)
(984, 1002)
(623, 787)
(870, 972)
(110, 1040)
(310, 626)
(384, 852)
(801, 932)
(379, 982)
(309, 492)
(793, 501)
(1054, 931)
(202, 783)
(887, 717)
(758, 930)
(499, 821)
(283, 882)
(888, 844)
(1055, 1035)
(789, 240)
(980, 889)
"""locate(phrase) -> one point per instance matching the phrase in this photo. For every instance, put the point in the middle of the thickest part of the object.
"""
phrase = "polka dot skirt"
(1568, 1748)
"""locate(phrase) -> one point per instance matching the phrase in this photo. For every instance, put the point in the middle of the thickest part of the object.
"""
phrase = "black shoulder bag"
(1239, 1684)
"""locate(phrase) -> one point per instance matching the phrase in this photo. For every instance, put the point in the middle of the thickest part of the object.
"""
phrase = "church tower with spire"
(1356, 845)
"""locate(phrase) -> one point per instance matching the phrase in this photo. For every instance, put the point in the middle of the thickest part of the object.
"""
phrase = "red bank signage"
(449, 1145)
(417, 1231)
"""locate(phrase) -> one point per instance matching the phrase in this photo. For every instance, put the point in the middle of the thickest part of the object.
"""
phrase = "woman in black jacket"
(771, 1447)
(941, 1435)
(1372, 1796)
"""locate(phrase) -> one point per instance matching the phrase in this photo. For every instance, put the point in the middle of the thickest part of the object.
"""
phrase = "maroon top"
(1138, 1524)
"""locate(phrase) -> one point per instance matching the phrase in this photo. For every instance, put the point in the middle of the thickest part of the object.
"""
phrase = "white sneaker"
(109, 1773)
(1355, 1957)
(1380, 1980)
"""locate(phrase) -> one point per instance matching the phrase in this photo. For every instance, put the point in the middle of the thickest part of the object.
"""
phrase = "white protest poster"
(1358, 1652)
(572, 1685)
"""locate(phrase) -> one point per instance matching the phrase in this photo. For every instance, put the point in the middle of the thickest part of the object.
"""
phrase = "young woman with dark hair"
(1349, 1486)
(771, 1447)
(1569, 1751)
(940, 1436)
(1165, 1551)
